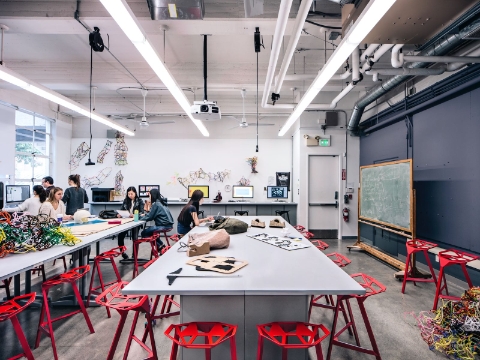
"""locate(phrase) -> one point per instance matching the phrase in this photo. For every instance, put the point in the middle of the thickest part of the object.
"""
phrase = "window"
(32, 148)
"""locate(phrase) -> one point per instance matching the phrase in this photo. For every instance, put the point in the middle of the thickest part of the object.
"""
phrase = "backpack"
(231, 225)
(108, 214)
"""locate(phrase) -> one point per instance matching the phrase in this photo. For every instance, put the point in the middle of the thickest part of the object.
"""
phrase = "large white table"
(274, 286)
(15, 264)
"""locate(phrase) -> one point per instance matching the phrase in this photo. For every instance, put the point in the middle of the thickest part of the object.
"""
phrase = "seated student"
(31, 205)
(188, 215)
(54, 205)
(131, 203)
(160, 214)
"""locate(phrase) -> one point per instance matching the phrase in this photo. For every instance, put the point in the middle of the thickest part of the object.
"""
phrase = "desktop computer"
(277, 193)
(16, 193)
(242, 193)
(204, 188)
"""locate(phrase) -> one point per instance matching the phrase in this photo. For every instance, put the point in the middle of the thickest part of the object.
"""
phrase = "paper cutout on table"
(123, 213)
(78, 155)
(88, 182)
(221, 264)
(104, 152)
(286, 243)
(121, 149)
(118, 188)
(243, 181)
(199, 174)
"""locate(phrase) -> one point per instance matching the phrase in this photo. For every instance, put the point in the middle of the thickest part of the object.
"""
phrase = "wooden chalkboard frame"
(412, 211)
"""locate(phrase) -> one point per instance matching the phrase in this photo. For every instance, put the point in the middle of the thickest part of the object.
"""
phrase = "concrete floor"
(389, 313)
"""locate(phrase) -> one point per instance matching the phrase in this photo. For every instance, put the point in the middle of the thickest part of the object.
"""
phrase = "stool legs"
(27, 352)
(409, 268)
(116, 337)
(442, 284)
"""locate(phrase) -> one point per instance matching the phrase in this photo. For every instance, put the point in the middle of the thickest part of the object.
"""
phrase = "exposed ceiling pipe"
(292, 44)
(407, 71)
(442, 59)
(356, 65)
(282, 20)
(397, 56)
(376, 56)
(443, 47)
(368, 52)
(298, 77)
(474, 50)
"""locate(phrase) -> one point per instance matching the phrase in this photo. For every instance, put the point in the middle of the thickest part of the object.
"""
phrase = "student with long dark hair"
(75, 196)
(31, 205)
(189, 213)
(131, 203)
(160, 213)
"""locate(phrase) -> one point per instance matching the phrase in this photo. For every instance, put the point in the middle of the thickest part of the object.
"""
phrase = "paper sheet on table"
(124, 213)
(87, 229)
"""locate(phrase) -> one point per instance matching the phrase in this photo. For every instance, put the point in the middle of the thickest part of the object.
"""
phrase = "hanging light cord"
(257, 104)
(91, 71)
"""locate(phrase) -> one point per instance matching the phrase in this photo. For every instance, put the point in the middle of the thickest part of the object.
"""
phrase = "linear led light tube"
(126, 20)
(370, 16)
(12, 77)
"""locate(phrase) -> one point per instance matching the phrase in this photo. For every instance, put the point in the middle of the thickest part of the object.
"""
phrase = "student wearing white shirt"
(54, 205)
(33, 204)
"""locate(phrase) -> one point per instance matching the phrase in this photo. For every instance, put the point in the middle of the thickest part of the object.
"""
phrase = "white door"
(323, 193)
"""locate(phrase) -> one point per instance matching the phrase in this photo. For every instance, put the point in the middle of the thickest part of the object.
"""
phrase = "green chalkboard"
(386, 194)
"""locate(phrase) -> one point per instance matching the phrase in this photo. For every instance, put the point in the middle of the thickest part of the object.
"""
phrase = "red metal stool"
(415, 246)
(448, 258)
(64, 262)
(372, 287)
(299, 228)
(174, 237)
(307, 234)
(107, 255)
(71, 278)
(113, 298)
(319, 244)
(215, 333)
(6, 286)
(164, 232)
(281, 333)
(339, 259)
(152, 240)
(9, 310)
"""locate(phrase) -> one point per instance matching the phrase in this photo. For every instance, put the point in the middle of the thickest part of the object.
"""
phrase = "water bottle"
(135, 215)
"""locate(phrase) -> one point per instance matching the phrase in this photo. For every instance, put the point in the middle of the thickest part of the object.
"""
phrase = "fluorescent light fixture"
(126, 20)
(370, 16)
(40, 90)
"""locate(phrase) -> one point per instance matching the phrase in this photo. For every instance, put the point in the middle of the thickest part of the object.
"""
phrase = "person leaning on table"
(160, 214)
(189, 213)
(31, 205)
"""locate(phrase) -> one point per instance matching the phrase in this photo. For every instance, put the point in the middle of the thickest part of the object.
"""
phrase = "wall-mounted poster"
(283, 179)
(144, 189)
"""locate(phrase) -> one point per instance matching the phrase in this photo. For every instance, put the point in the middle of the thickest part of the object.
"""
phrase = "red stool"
(164, 232)
(415, 246)
(69, 277)
(339, 259)
(305, 334)
(372, 287)
(9, 310)
(163, 251)
(64, 262)
(107, 255)
(447, 258)
(319, 244)
(174, 237)
(6, 286)
(215, 333)
(299, 228)
(113, 298)
(152, 240)
(307, 234)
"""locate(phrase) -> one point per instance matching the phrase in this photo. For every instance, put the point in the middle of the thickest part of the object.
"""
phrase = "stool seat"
(241, 212)
(283, 212)
(307, 234)
(9, 311)
(319, 244)
(46, 327)
(292, 335)
(113, 299)
(415, 246)
(212, 333)
(299, 228)
(339, 259)
(447, 258)
(164, 232)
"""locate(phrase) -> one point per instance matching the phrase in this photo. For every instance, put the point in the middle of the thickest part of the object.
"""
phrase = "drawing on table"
(283, 242)
(88, 182)
(78, 155)
(121, 149)
(104, 152)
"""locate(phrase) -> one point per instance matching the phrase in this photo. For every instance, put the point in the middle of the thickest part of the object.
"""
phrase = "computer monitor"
(277, 192)
(144, 189)
(16, 193)
(205, 189)
(242, 192)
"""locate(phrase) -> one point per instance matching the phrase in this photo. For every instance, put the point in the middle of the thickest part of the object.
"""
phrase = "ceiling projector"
(206, 110)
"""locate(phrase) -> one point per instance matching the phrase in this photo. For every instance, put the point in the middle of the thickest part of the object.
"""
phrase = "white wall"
(7, 141)
(62, 139)
(338, 147)
(152, 162)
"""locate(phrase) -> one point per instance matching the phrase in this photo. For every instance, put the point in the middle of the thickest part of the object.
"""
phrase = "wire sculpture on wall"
(243, 181)
(118, 188)
(78, 155)
(253, 161)
(199, 174)
(104, 152)
(121, 149)
(88, 182)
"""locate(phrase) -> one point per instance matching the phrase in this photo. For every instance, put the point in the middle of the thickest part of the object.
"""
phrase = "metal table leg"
(16, 285)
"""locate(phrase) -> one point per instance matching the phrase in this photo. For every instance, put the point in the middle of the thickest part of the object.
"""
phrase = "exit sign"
(324, 142)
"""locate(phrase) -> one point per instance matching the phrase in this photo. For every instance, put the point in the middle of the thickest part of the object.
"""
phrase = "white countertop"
(270, 270)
